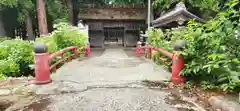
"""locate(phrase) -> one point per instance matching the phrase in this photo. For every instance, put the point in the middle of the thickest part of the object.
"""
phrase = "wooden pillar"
(125, 38)
(102, 36)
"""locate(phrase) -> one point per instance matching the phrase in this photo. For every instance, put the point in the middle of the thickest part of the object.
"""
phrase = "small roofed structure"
(178, 16)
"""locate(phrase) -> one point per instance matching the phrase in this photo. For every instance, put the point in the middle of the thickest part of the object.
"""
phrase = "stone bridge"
(110, 80)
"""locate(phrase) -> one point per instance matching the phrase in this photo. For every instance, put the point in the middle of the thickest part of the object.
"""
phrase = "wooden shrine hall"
(114, 24)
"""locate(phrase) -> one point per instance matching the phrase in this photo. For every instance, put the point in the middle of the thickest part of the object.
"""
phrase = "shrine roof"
(179, 14)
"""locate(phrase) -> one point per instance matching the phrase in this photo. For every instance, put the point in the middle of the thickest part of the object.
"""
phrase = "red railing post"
(75, 52)
(138, 49)
(88, 50)
(42, 68)
(150, 52)
(177, 66)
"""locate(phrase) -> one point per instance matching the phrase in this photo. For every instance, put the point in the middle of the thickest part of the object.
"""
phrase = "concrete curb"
(224, 103)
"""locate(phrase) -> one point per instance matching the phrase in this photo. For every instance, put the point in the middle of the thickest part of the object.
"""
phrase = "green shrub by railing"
(17, 55)
(212, 53)
(49, 42)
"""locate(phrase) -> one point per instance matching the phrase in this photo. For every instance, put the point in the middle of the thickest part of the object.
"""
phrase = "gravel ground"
(124, 99)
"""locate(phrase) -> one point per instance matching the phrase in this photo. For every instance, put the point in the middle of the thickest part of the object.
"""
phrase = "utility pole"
(149, 13)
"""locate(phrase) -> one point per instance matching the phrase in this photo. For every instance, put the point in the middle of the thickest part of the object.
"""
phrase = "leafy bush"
(17, 55)
(66, 36)
(2, 77)
(3, 52)
(8, 68)
(157, 38)
(212, 52)
(20, 52)
(49, 42)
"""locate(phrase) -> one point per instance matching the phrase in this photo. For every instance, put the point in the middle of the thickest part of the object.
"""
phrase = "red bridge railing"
(177, 61)
(42, 62)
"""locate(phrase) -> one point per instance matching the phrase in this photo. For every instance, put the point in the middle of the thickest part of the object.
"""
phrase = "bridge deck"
(113, 65)
(108, 81)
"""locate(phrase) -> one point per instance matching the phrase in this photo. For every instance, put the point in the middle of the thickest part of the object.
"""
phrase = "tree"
(24, 13)
(42, 20)
(25, 8)
(57, 10)
(70, 11)
(203, 8)
(203, 4)
(3, 4)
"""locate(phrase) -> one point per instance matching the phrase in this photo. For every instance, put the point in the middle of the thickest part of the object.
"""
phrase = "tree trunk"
(42, 21)
(29, 27)
(70, 11)
(2, 29)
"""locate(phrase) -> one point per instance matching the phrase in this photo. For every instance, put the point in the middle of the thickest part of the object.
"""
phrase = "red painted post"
(150, 52)
(55, 69)
(88, 50)
(42, 68)
(138, 49)
(177, 66)
(75, 52)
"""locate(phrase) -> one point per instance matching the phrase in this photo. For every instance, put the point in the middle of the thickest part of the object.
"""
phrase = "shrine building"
(114, 24)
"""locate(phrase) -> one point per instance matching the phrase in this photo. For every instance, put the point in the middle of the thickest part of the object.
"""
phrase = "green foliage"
(205, 9)
(156, 38)
(163, 4)
(8, 68)
(21, 5)
(212, 52)
(20, 52)
(3, 52)
(66, 36)
(57, 9)
(187, 85)
(8, 3)
(17, 55)
(207, 85)
(49, 42)
(203, 4)
(2, 77)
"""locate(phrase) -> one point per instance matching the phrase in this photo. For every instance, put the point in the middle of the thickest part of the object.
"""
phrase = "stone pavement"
(114, 81)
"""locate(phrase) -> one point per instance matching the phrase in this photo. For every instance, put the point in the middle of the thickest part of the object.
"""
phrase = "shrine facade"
(118, 24)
